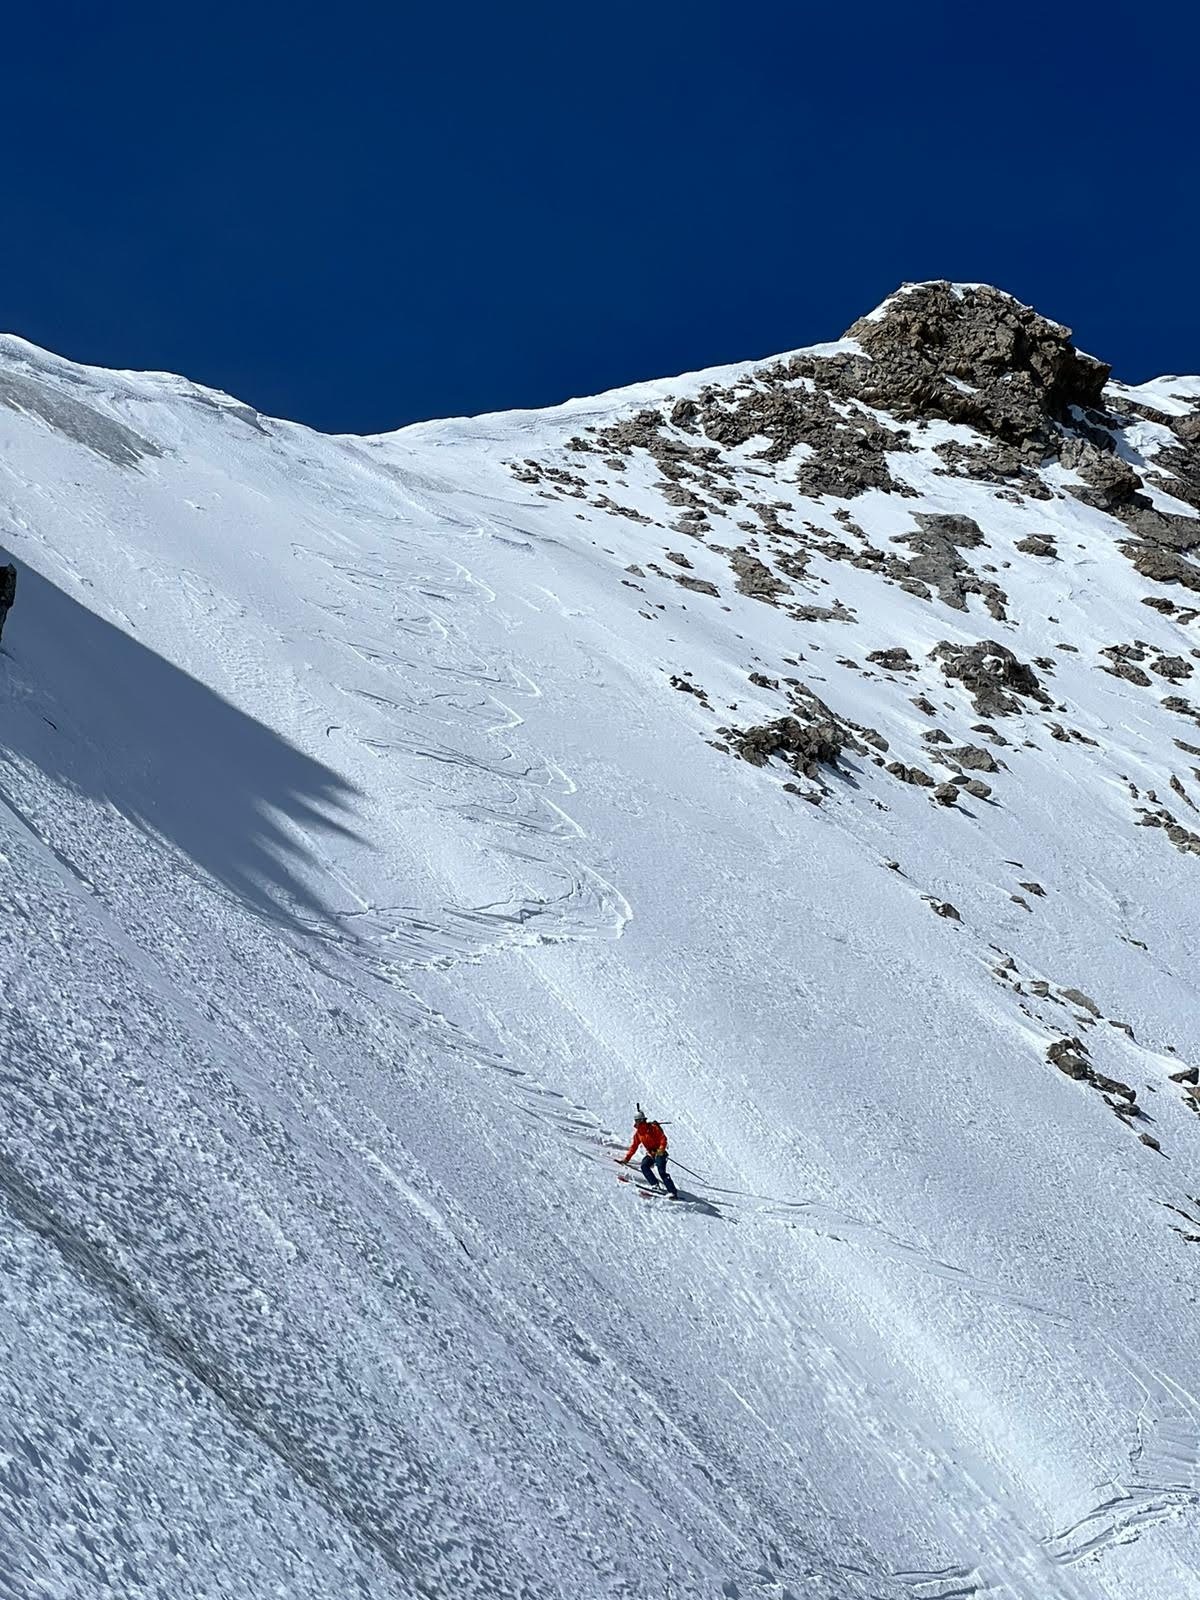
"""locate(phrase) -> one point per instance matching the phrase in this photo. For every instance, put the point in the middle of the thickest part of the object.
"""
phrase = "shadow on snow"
(98, 711)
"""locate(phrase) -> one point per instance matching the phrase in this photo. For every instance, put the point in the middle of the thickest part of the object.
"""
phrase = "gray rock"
(1163, 566)
(1077, 998)
(897, 659)
(993, 674)
(1017, 372)
(1038, 544)
(8, 593)
(938, 565)
(974, 758)
(849, 454)
(1175, 668)
(1068, 1056)
(1109, 482)
(909, 774)
(803, 746)
(752, 577)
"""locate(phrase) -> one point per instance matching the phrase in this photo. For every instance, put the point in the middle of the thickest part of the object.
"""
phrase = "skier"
(653, 1140)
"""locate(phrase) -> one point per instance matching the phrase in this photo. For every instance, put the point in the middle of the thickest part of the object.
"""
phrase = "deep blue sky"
(362, 214)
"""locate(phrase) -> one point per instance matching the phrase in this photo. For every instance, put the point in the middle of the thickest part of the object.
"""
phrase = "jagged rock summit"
(973, 354)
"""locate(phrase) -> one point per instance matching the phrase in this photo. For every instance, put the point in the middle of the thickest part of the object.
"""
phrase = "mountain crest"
(973, 354)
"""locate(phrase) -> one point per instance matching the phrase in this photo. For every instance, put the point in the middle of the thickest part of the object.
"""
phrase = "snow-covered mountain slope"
(374, 834)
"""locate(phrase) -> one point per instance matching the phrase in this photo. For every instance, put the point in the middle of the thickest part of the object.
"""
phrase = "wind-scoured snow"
(363, 865)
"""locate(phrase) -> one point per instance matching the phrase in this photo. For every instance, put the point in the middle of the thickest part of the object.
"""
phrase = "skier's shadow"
(698, 1203)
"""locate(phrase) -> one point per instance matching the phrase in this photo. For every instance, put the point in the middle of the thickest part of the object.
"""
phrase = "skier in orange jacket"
(653, 1140)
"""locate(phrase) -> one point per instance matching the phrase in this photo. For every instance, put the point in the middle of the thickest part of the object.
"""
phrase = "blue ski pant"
(657, 1163)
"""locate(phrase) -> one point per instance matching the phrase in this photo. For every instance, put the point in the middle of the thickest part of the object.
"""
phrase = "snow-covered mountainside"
(809, 750)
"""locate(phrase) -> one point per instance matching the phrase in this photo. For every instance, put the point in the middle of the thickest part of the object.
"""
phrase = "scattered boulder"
(1076, 997)
(909, 774)
(938, 566)
(896, 659)
(754, 578)
(1122, 668)
(996, 678)
(685, 687)
(974, 758)
(1109, 482)
(1068, 1056)
(1174, 668)
(804, 747)
(848, 453)
(1038, 544)
(1113, 1086)
(1163, 566)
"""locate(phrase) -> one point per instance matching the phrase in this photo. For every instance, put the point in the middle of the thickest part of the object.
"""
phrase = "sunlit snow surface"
(361, 870)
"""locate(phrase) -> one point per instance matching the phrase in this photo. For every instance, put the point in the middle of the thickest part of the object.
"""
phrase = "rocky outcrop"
(1038, 544)
(1109, 483)
(976, 356)
(995, 677)
(803, 746)
(937, 564)
(896, 659)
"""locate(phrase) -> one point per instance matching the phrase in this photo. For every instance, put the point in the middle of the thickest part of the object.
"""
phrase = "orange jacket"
(650, 1136)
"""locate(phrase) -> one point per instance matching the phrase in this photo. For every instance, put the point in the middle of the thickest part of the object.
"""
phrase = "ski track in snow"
(1118, 1516)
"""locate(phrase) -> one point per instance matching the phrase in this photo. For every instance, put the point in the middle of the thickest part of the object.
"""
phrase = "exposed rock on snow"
(978, 357)
(997, 680)
(804, 746)
(1038, 544)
